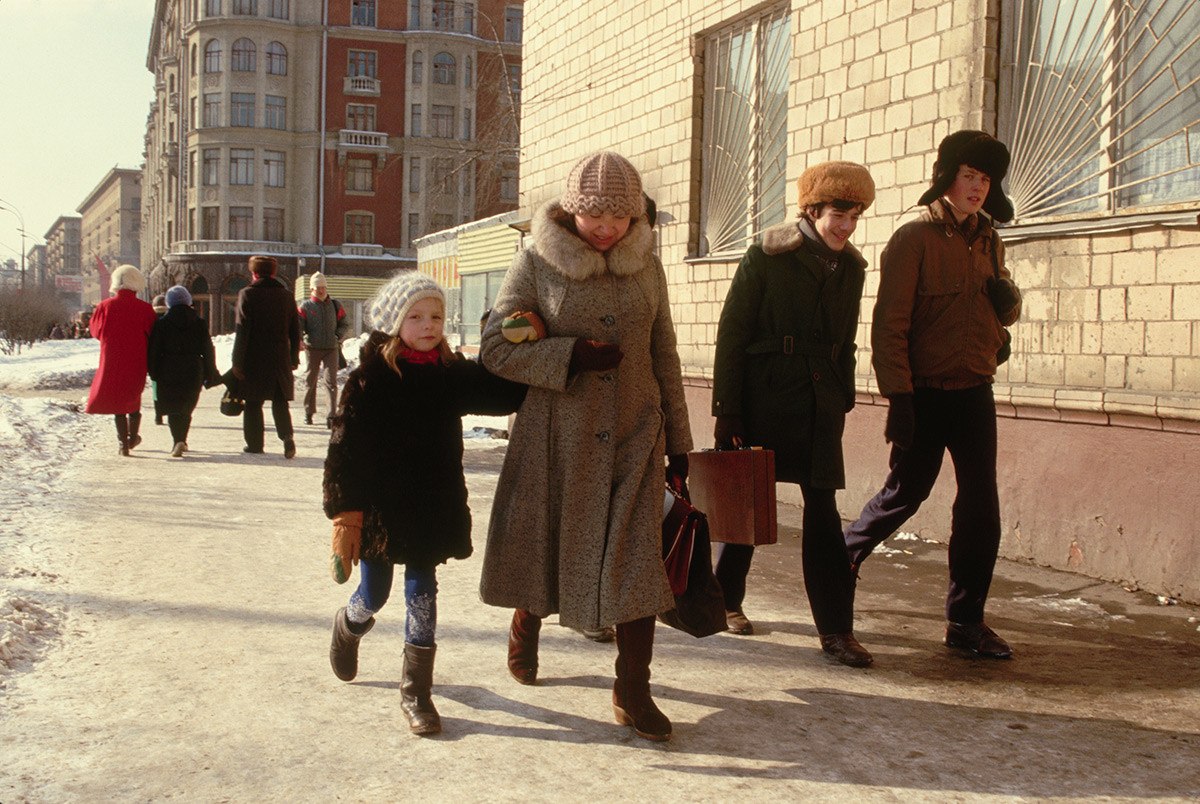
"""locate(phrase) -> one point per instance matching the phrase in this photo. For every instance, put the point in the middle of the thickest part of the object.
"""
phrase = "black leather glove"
(901, 421)
(677, 472)
(729, 432)
(593, 356)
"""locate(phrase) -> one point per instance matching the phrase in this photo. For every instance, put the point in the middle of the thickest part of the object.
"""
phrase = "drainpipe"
(321, 147)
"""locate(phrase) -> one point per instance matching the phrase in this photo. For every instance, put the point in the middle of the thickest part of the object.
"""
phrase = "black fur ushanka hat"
(981, 151)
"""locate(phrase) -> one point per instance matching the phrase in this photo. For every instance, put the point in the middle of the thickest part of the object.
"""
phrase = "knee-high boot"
(122, 433)
(523, 646)
(632, 703)
(135, 424)
(415, 699)
(343, 651)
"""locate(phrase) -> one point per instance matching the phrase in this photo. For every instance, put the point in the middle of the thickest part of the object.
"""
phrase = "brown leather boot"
(415, 700)
(523, 646)
(632, 703)
(343, 650)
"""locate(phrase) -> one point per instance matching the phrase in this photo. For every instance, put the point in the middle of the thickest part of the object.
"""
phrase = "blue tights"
(420, 598)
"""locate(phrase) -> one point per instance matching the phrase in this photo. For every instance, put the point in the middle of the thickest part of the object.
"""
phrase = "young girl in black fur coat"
(394, 484)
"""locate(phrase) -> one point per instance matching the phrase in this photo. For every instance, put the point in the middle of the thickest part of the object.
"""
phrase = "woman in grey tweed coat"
(576, 522)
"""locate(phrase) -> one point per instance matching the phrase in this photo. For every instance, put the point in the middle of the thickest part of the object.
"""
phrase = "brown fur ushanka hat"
(836, 181)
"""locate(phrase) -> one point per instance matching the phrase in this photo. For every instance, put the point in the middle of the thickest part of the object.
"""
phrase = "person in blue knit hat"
(181, 361)
(393, 482)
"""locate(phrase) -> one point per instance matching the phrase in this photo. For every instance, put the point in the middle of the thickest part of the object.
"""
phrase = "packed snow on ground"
(1070, 605)
(42, 395)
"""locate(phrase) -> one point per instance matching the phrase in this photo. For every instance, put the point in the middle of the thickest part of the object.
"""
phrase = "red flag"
(102, 270)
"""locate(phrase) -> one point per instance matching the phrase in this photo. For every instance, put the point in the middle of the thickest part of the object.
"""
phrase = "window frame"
(366, 60)
(241, 222)
(361, 116)
(743, 136)
(276, 57)
(358, 227)
(363, 13)
(445, 69)
(278, 9)
(210, 167)
(212, 57)
(241, 167)
(273, 224)
(441, 121)
(275, 113)
(274, 169)
(212, 110)
(244, 8)
(359, 175)
(243, 55)
(514, 23)
(242, 109)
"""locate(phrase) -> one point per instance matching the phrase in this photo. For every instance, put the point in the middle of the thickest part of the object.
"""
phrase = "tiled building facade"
(330, 134)
(723, 104)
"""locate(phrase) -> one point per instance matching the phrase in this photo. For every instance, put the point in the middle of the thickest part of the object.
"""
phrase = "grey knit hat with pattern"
(178, 294)
(604, 182)
(391, 303)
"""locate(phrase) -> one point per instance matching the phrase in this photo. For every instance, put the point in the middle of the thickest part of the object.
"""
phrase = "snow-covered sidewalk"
(176, 617)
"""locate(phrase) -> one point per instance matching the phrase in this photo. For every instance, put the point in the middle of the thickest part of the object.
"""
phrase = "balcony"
(372, 142)
(361, 250)
(233, 247)
(362, 140)
(361, 85)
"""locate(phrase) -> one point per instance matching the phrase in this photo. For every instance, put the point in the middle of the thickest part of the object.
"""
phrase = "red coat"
(122, 324)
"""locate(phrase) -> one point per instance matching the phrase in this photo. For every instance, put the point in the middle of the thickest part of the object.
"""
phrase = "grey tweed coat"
(577, 519)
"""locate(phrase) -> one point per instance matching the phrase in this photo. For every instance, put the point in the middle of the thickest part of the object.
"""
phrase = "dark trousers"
(827, 576)
(321, 363)
(963, 422)
(252, 420)
(179, 424)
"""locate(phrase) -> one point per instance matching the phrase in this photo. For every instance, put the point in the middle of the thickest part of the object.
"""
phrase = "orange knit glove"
(347, 543)
(522, 326)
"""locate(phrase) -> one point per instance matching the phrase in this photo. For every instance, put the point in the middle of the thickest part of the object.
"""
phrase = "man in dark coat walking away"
(944, 300)
(266, 350)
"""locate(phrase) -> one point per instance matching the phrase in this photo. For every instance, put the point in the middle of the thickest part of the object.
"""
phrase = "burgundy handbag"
(735, 489)
(687, 558)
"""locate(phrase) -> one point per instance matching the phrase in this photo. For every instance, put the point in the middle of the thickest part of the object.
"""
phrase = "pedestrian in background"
(181, 362)
(266, 350)
(944, 299)
(160, 309)
(324, 324)
(576, 526)
(122, 324)
(394, 484)
(783, 379)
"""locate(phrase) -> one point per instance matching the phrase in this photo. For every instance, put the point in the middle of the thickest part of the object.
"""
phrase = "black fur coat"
(396, 453)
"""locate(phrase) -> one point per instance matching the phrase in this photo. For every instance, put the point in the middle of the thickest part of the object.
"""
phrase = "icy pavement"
(176, 617)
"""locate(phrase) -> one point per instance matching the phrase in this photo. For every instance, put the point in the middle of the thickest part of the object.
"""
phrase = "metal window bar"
(744, 139)
(1104, 104)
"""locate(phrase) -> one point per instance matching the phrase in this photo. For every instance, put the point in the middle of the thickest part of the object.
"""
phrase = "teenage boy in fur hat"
(783, 379)
(935, 334)
(266, 350)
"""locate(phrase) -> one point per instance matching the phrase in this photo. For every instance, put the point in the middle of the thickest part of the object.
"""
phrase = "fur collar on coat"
(572, 257)
(788, 236)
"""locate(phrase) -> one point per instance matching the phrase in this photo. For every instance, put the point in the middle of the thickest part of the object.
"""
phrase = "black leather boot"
(523, 646)
(415, 700)
(632, 703)
(135, 424)
(343, 651)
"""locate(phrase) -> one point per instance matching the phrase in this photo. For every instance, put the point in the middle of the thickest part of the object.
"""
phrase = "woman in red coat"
(122, 324)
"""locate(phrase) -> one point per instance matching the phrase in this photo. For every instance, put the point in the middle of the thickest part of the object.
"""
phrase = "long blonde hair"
(390, 352)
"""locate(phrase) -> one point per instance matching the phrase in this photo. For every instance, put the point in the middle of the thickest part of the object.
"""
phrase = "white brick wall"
(1111, 321)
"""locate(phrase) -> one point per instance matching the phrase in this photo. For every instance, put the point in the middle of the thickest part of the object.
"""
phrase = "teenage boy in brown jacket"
(935, 334)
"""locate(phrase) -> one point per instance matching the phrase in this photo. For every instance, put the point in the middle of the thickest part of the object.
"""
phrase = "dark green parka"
(785, 351)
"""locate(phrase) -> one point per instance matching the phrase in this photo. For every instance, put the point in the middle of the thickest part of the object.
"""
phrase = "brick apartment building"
(723, 103)
(329, 134)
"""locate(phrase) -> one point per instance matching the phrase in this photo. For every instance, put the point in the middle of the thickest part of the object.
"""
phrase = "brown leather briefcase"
(736, 491)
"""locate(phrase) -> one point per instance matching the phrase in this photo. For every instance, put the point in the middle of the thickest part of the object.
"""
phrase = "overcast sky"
(74, 93)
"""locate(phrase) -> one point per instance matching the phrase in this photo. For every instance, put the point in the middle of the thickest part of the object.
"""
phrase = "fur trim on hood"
(788, 236)
(572, 257)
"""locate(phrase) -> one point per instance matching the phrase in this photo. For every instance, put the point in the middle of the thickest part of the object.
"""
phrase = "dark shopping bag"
(687, 557)
(232, 403)
(735, 489)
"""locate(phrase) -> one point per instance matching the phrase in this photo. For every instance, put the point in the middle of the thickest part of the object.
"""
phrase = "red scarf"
(418, 358)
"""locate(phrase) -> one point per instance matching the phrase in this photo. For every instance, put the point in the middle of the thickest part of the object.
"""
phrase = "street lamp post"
(21, 218)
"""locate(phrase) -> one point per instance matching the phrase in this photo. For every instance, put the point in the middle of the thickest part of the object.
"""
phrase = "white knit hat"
(317, 280)
(391, 303)
(604, 182)
(127, 277)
